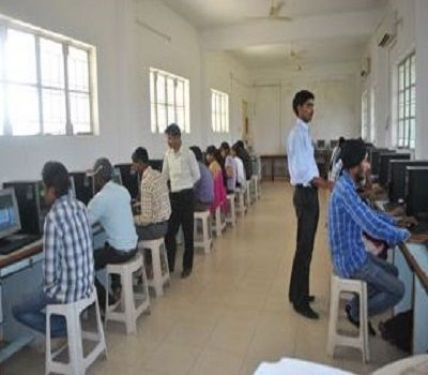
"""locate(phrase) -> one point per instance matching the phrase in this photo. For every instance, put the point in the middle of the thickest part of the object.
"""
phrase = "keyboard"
(15, 243)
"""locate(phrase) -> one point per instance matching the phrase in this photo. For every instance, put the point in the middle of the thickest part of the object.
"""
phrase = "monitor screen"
(117, 176)
(321, 143)
(9, 215)
(130, 179)
(385, 160)
(374, 157)
(417, 192)
(333, 143)
(83, 186)
(397, 183)
(156, 164)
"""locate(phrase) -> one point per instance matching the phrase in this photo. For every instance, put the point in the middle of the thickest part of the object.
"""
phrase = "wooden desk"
(19, 255)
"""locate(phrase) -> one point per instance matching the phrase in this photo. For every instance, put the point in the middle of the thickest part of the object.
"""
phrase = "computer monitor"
(156, 164)
(397, 182)
(83, 186)
(333, 143)
(9, 214)
(375, 159)
(417, 192)
(321, 143)
(117, 177)
(385, 160)
(130, 179)
(30, 196)
(72, 189)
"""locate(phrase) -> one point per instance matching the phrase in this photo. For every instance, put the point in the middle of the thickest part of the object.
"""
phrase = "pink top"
(219, 190)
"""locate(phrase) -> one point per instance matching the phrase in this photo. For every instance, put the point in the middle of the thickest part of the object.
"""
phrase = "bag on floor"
(398, 330)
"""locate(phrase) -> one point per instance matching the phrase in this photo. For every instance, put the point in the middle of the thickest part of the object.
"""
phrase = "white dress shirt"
(181, 169)
(301, 156)
(111, 207)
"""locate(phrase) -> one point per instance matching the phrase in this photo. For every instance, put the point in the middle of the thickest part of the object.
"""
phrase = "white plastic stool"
(231, 215)
(206, 241)
(159, 264)
(241, 208)
(255, 191)
(78, 362)
(133, 303)
(339, 286)
(219, 222)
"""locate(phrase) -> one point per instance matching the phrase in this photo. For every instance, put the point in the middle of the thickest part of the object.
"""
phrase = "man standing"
(181, 169)
(155, 210)
(305, 178)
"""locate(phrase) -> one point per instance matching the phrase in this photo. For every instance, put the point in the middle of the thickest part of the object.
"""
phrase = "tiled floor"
(232, 313)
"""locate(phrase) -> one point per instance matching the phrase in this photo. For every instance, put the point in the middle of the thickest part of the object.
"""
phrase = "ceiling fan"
(274, 13)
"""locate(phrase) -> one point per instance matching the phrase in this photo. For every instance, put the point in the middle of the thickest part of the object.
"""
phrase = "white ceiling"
(322, 31)
(205, 14)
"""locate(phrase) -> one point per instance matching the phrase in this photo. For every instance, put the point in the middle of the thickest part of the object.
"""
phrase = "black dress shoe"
(186, 273)
(356, 323)
(306, 311)
(310, 299)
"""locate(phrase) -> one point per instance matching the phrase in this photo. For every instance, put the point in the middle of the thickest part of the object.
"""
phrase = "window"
(365, 126)
(45, 83)
(407, 102)
(169, 96)
(219, 111)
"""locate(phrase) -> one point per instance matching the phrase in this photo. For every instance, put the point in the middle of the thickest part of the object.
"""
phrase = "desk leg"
(407, 277)
(420, 316)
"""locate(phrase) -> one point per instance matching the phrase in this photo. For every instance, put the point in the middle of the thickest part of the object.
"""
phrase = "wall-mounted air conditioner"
(387, 30)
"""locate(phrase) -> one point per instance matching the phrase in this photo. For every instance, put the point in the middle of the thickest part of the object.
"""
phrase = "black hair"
(342, 140)
(225, 146)
(54, 174)
(198, 153)
(301, 98)
(140, 155)
(212, 150)
(240, 144)
(173, 130)
(353, 153)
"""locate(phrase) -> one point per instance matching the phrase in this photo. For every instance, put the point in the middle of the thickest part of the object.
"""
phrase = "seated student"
(213, 158)
(246, 159)
(230, 166)
(241, 179)
(348, 218)
(67, 244)
(204, 187)
(111, 207)
(152, 222)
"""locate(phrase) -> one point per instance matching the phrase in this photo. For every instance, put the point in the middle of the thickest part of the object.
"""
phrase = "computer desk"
(21, 273)
(412, 262)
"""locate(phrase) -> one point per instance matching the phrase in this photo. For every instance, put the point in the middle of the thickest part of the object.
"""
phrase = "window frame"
(365, 125)
(406, 133)
(6, 24)
(220, 114)
(155, 104)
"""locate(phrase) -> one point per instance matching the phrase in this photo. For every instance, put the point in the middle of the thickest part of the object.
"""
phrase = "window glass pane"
(52, 63)
(162, 124)
(20, 57)
(170, 90)
(23, 122)
(160, 89)
(180, 116)
(152, 87)
(153, 117)
(54, 117)
(413, 70)
(401, 77)
(180, 93)
(1, 111)
(80, 113)
(187, 107)
(412, 130)
(78, 69)
(171, 114)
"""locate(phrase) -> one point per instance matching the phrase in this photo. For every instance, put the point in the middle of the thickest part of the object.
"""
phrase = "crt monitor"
(417, 192)
(83, 186)
(333, 143)
(9, 214)
(30, 196)
(156, 164)
(397, 183)
(385, 160)
(130, 179)
(117, 177)
(375, 159)
(321, 143)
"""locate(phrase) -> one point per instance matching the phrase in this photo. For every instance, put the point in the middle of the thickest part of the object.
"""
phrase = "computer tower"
(417, 192)
(31, 204)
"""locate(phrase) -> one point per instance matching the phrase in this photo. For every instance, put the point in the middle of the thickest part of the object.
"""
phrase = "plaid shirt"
(67, 241)
(348, 218)
(155, 205)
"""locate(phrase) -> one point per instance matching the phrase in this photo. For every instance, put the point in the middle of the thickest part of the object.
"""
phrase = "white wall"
(336, 89)
(125, 52)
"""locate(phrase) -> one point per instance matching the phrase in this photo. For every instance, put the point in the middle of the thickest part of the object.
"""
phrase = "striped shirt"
(348, 218)
(155, 205)
(67, 241)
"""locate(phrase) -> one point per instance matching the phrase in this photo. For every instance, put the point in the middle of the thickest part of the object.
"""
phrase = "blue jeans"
(384, 288)
(31, 314)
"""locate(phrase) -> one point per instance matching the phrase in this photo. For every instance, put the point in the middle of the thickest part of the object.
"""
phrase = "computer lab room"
(228, 187)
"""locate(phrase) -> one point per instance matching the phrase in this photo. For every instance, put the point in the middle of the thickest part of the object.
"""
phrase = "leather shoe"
(306, 311)
(356, 323)
(186, 273)
(310, 299)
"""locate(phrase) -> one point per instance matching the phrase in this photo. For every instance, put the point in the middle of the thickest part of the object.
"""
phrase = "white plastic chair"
(204, 239)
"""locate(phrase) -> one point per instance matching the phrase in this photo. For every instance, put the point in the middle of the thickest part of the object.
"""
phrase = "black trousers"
(103, 257)
(182, 207)
(306, 205)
